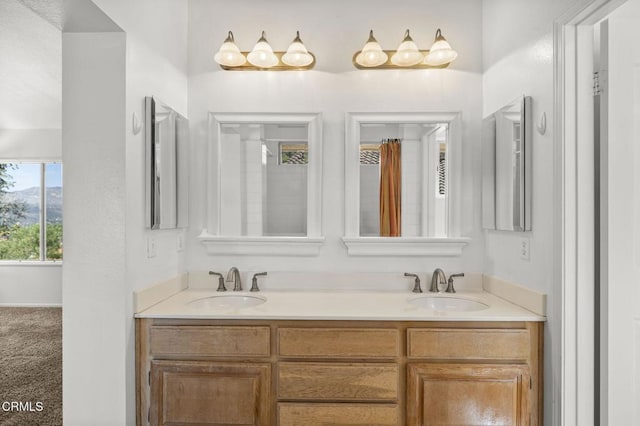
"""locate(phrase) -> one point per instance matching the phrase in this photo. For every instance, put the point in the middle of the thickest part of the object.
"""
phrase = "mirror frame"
(453, 244)
(308, 245)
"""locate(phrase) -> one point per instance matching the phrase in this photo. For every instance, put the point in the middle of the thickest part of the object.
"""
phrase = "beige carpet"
(30, 366)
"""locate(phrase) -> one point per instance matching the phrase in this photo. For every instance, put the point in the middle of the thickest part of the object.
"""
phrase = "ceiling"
(30, 64)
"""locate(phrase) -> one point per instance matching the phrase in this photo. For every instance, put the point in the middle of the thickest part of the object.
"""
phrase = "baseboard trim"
(30, 305)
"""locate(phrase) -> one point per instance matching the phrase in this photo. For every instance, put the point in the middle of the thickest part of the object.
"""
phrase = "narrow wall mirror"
(506, 167)
(166, 152)
(265, 175)
(402, 173)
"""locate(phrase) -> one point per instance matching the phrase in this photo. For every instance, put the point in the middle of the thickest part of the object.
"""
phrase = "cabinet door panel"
(207, 393)
(467, 394)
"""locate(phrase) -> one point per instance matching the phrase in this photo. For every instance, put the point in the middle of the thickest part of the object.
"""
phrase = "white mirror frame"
(308, 245)
(453, 244)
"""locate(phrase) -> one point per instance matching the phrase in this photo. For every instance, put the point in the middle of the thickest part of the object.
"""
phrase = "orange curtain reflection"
(390, 172)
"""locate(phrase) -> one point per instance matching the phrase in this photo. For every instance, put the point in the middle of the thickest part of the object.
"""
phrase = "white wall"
(518, 60)
(94, 280)
(154, 64)
(333, 30)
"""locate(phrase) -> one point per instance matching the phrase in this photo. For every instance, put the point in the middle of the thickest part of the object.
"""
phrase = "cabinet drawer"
(337, 381)
(468, 343)
(338, 342)
(296, 414)
(210, 341)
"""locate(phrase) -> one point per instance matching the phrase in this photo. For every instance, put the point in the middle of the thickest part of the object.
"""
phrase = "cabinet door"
(210, 393)
(467, 394)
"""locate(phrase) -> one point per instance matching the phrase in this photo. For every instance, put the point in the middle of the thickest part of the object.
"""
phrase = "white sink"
(448, 303)
(227, 301)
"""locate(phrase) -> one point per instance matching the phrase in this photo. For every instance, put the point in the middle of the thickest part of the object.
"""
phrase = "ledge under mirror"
(402, 177)
(265, 173)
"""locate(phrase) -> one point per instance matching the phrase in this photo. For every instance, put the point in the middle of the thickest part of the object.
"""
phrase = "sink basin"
(227, 301)
(448, 303)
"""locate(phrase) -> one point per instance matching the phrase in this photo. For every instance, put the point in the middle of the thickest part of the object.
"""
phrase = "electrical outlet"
(525, 253)
(180, 242)
(152, 249)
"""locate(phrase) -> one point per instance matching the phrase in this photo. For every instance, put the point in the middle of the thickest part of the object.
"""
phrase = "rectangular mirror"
(506, 167)
(402, 184)
(265, 174)
(166, 137)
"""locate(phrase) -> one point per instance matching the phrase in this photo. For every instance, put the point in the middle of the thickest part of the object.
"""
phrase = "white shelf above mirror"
(431, 194)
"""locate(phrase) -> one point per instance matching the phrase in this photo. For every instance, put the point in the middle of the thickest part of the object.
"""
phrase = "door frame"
(574, 245)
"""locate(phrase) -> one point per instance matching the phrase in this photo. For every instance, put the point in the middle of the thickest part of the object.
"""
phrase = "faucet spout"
(438, 277)
(233, 276)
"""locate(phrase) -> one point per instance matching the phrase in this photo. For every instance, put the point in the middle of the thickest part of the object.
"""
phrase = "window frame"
(42, 261)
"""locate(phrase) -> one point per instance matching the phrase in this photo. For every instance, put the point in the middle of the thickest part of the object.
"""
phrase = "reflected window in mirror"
(422, 207)
(265, 175)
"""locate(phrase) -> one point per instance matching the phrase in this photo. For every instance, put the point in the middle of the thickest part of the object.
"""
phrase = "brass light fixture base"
(279, 67)
(390, 66)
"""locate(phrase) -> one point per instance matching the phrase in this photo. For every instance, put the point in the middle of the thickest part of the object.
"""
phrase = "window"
(294, 153)
(30, 211)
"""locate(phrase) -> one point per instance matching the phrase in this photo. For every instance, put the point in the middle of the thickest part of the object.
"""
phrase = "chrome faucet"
(233, 276)
(221, 286)
(438, 274)
(416, 282)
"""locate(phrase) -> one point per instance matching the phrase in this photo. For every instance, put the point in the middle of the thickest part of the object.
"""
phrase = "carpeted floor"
(30, 366)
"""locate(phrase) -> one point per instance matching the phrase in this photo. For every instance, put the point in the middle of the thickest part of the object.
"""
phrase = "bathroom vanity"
(345, 358)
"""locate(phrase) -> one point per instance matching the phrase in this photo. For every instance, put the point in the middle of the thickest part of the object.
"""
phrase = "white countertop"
(338, 305)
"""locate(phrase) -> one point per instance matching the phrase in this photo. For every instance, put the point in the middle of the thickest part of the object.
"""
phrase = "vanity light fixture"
(371, 54)
(262, 57)
(229, 55)
(407, 55)
(441, 52)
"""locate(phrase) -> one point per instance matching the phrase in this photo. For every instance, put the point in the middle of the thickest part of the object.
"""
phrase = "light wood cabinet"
(290, 373)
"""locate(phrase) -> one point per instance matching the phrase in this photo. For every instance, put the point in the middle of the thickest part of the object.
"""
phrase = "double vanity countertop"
(335, 305)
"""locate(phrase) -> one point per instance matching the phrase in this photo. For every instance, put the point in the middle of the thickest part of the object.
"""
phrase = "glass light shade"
(297, 54)
(229, 55)
(371, 54)
(441, 52)
(262, 54)
(407, 53)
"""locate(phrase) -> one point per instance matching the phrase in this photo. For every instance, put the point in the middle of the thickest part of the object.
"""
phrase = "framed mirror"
(402, 173)
(265, 176)
(506, 167)
(166, 152)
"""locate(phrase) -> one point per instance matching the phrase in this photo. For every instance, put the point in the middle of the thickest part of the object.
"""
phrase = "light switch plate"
(152, 249)
(525, 248)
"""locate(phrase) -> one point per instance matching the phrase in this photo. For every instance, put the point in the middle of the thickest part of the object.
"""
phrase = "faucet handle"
(416, 284)
(450, 288)
(221, 286)
(254, 281)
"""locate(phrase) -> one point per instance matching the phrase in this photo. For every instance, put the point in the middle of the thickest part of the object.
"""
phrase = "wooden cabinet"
(291, 373)
(467, 394)
(209, 393)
